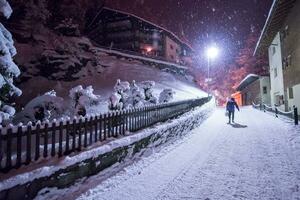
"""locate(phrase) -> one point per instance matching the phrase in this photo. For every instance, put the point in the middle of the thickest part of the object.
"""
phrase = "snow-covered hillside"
(103, 79)
(55, 54)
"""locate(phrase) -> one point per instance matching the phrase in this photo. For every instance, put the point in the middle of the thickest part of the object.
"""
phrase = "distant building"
(120, 30)
(254, 89)
(281, 39)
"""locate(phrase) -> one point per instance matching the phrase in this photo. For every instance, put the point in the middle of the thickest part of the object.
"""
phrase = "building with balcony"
(280, 39)
(127, 32)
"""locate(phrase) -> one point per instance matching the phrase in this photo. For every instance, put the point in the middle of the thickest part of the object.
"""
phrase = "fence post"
(46, 140)
(296, 115)
(74, 125)
(37, 141)
(19, 146)
(96, 127)
(264, 107)
(53, 128)
(1, 152)
(28, 144)
(276, 112)
(104, 126)
(79, 134)
(60, 139)
(85, 132)
(100, 127)
(67, 149)
(91, 129)
(8, 149)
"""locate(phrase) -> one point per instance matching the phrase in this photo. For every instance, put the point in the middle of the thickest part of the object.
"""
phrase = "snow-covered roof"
(277, 15)
(250, 78)
(151, 23)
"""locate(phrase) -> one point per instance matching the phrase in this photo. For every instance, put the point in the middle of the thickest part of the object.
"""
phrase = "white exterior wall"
(296, 100)
(275, 61)
(265, 82)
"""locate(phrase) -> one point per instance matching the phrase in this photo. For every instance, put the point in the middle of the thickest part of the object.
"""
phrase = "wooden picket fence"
(22, 145)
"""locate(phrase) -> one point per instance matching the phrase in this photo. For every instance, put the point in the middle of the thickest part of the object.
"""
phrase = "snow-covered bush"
(8, 69)
(114, 102)
(84, 101)
(122, 89)
(166, 96)
(44, 107)
(147, 87)
(137, 96)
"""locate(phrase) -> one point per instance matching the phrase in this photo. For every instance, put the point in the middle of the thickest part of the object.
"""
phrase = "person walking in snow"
(230, 107)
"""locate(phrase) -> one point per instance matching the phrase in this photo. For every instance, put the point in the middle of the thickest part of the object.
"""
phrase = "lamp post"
(211, 53)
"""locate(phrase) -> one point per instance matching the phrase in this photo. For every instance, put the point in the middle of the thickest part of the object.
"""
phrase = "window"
(279, 100)
(275, 72)
(291, 93)
(265, 91)
(171, 46)
(273, 50)
(287, 62)
(172, 57)
(284, 33)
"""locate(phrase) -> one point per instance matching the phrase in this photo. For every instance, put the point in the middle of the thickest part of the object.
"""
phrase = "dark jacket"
(231, 104)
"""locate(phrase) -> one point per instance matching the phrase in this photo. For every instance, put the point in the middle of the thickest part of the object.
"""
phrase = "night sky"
(226, 23)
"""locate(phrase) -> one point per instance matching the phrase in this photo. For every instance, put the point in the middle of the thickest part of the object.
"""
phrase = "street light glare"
(212, 52)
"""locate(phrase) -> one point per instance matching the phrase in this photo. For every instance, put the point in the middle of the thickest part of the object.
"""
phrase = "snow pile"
(41, 108)
(8, 69)
(84, 101)
(166, 96)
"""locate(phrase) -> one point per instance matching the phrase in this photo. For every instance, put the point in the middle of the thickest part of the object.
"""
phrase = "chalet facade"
(119, 30)
(280, 38)
(254, 89)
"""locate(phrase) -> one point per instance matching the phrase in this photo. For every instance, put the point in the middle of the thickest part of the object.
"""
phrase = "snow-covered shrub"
(84, 101)
(137, 96)
(114, 102)
(166, 96)
(8, 69)
(44, 107)
(147, 86)
(122, 88)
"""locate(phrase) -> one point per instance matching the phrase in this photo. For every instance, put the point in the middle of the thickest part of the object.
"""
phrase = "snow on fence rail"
(25, 144)
(291, 114)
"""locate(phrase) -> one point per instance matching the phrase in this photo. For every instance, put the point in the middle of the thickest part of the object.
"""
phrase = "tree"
(8, 69)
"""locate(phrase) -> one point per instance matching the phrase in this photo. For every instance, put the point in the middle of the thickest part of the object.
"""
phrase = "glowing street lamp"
(211, 53)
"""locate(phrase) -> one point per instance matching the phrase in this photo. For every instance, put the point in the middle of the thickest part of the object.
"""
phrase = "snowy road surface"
(254, 159)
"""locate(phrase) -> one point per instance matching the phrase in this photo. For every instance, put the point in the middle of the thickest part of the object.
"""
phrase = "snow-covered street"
(254, 159)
